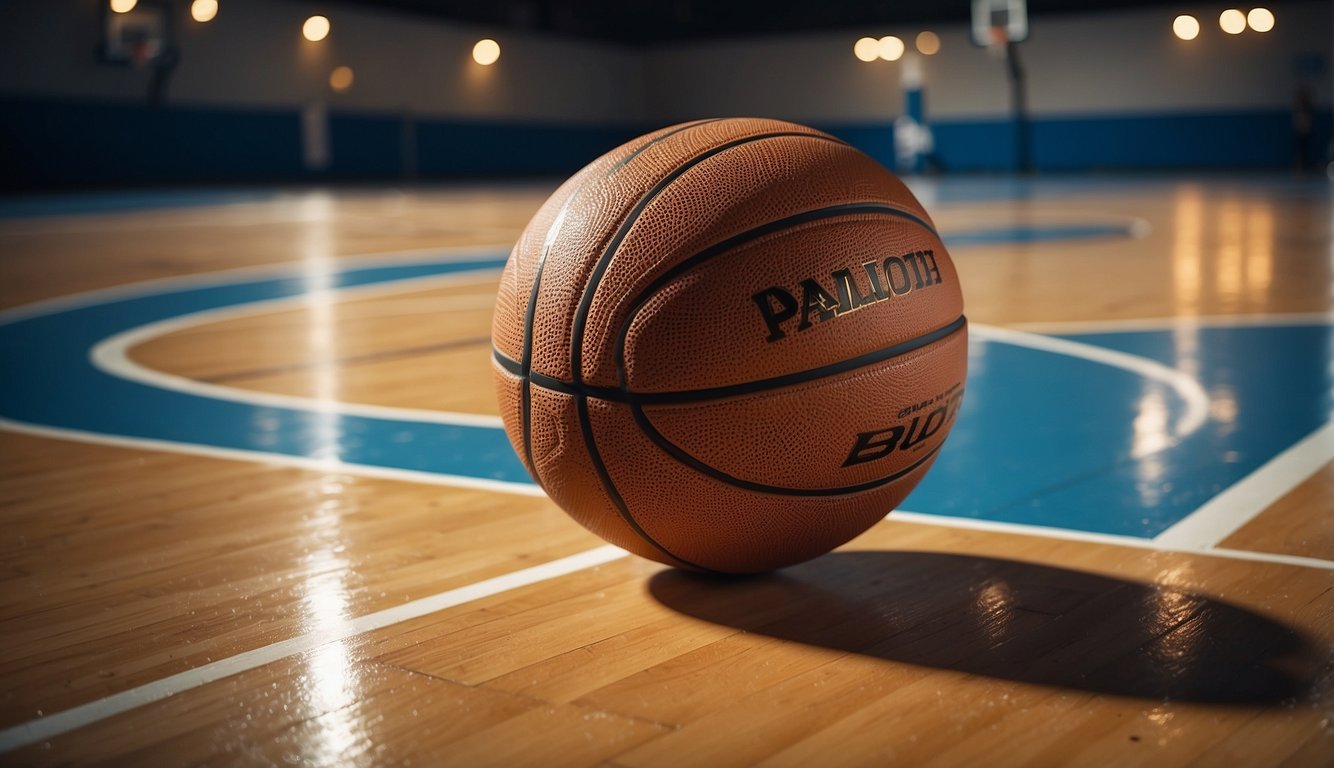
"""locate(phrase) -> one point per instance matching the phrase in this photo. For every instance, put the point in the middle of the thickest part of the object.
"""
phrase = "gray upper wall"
(252, 54)
(1111, 62)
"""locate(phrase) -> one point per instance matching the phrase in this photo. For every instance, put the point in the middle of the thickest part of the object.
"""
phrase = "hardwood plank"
(1300, 523)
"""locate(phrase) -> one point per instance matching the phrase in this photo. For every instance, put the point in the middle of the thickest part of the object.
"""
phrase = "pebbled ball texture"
(729, 345)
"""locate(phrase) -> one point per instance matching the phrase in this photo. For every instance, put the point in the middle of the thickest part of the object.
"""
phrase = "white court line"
(1196, 399)
(53, 725)
(273, 459)
(1076, 327)
(289, 269)
(71, 719)
(1040, 531)
(1222, 515)
(112, 355)
(527, 489)
(85, 714)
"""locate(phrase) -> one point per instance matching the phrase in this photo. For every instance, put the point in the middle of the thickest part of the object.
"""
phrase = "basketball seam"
(637, 401)
(680, 454)
(623, 394)
(685, 457)
(736, 241)
(586, 300)
(580, 403)
(531, 309)
(595, 278)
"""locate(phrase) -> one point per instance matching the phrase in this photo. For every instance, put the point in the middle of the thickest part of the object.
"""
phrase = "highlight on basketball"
(540, 382)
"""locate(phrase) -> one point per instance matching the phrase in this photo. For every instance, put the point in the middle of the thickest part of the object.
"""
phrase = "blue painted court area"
(1055, 440)
(1045, 437)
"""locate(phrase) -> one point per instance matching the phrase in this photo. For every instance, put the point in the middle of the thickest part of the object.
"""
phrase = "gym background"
(251, 100)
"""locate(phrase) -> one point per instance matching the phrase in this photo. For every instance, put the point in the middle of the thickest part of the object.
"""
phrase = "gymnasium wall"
(1105, 90)
(419, 104)
(1111, 90)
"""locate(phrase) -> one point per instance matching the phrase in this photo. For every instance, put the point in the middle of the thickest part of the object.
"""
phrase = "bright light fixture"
(891, 48)
(203, 10)
(867, 49)
(1260, 19)
(486, 52)
(1186, 27)
(1232, 21)
(315, 29)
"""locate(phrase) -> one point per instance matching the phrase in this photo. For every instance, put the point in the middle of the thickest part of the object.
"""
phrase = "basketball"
(730, 345)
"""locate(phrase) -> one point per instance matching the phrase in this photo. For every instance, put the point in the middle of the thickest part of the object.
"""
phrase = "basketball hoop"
(144, 51)
(139, 37)
(997, 23)
(998, 39)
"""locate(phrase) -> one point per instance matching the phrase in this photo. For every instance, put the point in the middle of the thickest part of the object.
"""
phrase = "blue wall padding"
(1209, 140)
(365, 146)
(467, 148)
(51, 143)
(56, 143)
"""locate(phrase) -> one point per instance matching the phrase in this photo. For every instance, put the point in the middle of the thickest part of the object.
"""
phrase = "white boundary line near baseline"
(100, 709)
(1225, 513)
(526, 489)
(272, 459)
(1065, 534)
(97, 710)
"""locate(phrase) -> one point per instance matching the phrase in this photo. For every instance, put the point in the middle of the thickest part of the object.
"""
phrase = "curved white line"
(111, 355)
(1190, 323)
(1194, 396)
(225, 276)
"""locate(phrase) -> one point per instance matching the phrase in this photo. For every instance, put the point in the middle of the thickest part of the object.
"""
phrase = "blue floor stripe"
(1043, 438)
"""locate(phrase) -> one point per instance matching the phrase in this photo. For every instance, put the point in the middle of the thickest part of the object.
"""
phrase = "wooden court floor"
(177, 600)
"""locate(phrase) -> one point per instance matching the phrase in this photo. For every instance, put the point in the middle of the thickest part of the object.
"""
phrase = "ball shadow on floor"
(1014, 620)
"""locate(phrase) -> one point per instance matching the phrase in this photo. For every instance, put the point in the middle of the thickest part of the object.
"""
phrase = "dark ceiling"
(645, 21)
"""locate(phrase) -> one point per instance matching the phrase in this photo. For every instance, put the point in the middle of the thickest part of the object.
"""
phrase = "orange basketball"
(729, 345)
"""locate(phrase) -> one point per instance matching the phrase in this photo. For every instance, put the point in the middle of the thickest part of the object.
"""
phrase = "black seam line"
(513, 366)
(586, 426)
(531, 310)
(620, 394)
(650, 143)
(685, 458)
(594, 279)
(581, 317)
(736, 241)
